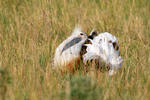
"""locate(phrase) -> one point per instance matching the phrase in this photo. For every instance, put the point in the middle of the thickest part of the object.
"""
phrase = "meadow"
(30, 31)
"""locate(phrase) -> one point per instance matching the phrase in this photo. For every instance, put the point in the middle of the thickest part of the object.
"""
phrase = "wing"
(89, 56)
(115, 62)
(93, 52)
(71, 43)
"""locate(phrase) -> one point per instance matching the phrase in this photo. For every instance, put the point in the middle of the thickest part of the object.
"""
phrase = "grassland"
(30, 30)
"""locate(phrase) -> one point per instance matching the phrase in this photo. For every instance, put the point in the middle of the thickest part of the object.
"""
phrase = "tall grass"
(30, 30)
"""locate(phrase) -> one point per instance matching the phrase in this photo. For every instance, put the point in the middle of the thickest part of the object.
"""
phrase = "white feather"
(63, 58)
(76, 30)
(103, 50)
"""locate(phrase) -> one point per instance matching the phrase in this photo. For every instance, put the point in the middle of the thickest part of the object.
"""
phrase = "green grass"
(30, 31)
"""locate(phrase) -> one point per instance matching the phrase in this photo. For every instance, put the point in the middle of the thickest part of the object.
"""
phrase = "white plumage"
(69, 49)
(104, 48)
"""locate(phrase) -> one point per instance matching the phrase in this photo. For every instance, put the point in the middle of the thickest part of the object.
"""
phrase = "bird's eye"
(110, 41)
(81, 34)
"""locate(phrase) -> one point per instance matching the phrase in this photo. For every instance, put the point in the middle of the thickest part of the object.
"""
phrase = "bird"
(104, 48)
(67, 54)
(92, 34)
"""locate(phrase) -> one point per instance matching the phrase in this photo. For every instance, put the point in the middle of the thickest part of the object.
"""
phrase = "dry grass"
(30, 30)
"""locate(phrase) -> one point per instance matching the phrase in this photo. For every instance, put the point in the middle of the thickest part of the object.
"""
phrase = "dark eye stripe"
(71, 43)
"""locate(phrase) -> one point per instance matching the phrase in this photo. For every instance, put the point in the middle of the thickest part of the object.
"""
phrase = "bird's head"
(112, 40)
(78, 33)
(77, 38)
(108, 41)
